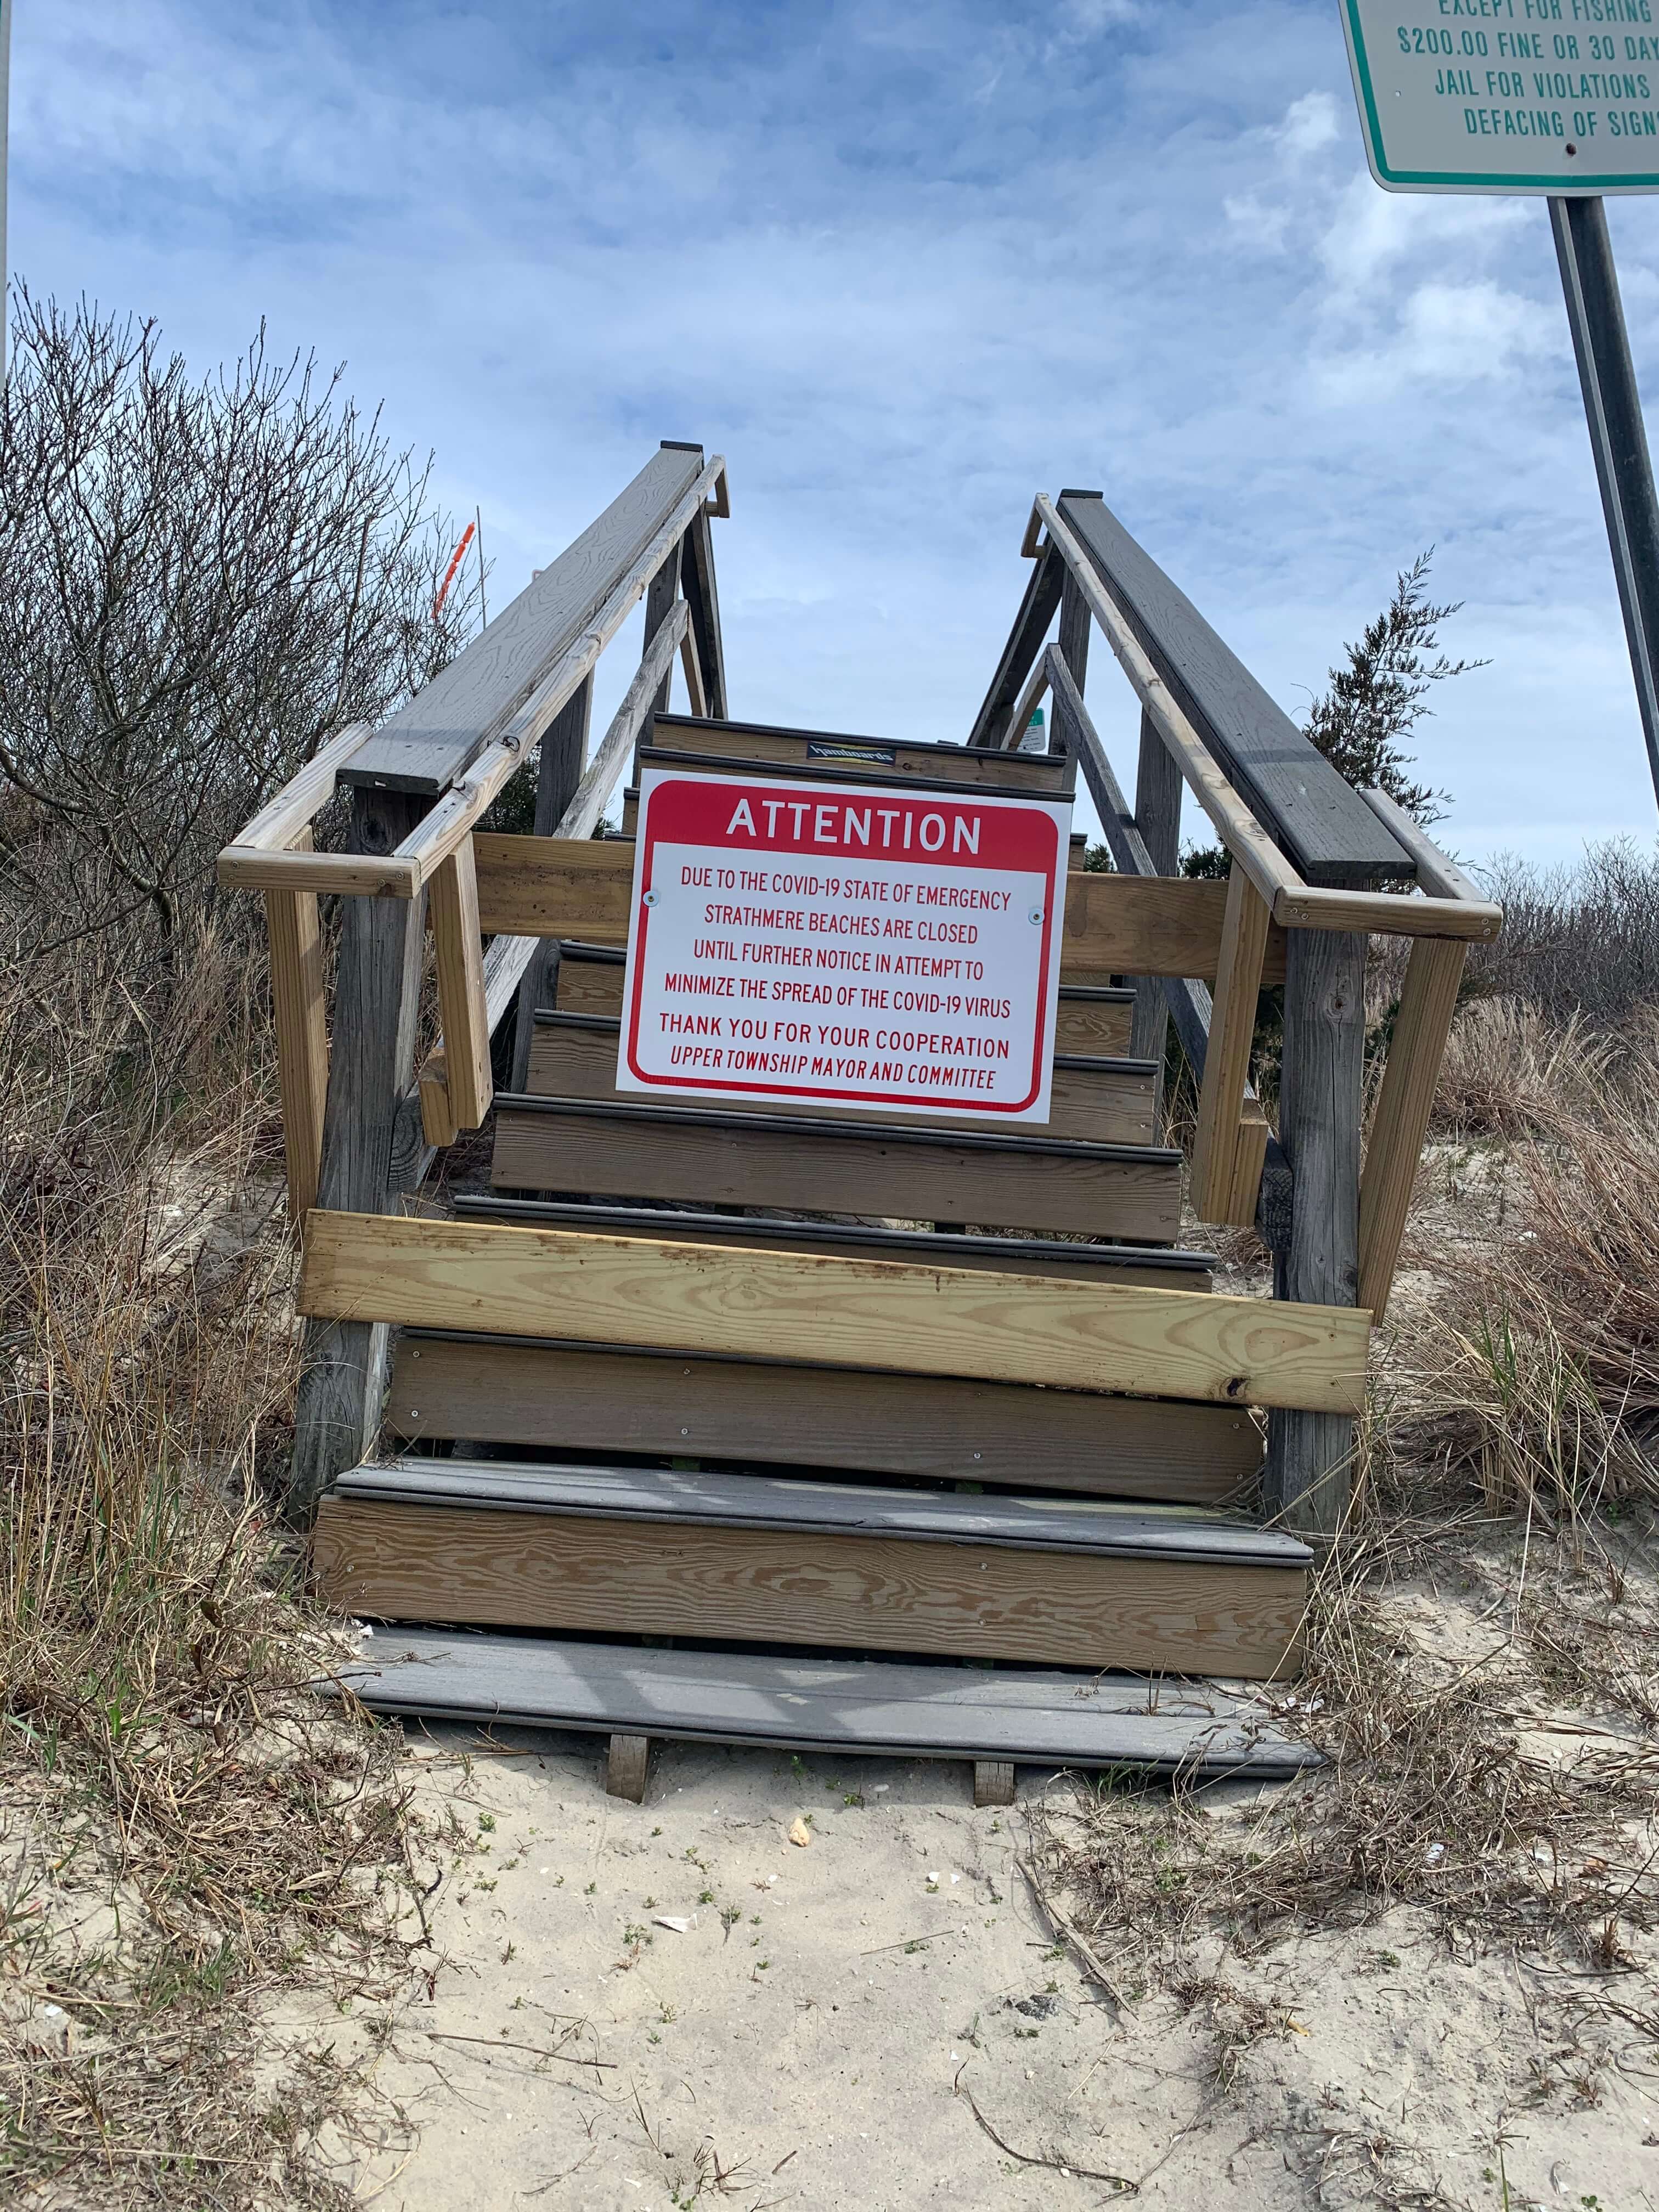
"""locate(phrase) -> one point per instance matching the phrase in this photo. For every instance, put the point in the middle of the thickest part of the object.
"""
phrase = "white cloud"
(550, 237)
(1310, 125)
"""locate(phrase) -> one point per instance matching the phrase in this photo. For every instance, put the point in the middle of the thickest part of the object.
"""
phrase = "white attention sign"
(1507, 96)
(820, 943)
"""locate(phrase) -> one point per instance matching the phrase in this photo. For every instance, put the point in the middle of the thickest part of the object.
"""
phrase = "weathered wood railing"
(1311, 857)
(360, 1129)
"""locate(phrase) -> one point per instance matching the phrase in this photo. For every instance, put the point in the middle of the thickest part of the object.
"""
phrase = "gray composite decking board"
(995, 1254)
(892, 1708)
(425, 746)
(1322, 822)
(791, 1165)
(1041, 775)
(718, 1499)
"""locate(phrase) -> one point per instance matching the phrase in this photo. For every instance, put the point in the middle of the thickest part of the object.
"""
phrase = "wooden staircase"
(756, 1422)
(728, 1490)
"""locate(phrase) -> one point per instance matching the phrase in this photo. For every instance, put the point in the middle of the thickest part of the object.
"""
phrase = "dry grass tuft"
(186, 1829)
(1429, 1798)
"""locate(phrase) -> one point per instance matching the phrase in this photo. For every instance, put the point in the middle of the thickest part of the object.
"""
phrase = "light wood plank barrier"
(1427, 1003)
(1215, 1165)
(1115, 924)
(454, 905)
(844, 1313)
(301, 1021)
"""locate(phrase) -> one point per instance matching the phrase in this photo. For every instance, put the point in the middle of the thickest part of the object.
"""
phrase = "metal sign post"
(1618, 438)
(1553, 96)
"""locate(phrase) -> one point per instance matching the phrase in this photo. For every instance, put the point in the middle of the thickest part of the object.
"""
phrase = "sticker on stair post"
(830, 944)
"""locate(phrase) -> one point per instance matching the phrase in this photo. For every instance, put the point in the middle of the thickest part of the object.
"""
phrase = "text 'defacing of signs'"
(1508, 96)
(843, 945)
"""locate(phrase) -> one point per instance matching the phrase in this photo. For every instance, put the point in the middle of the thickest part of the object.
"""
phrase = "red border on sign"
(689, 809)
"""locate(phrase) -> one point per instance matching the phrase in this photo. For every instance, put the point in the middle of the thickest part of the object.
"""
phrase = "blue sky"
(903, 264)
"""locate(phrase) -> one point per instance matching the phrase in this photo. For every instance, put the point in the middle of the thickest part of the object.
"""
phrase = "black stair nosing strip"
(611, 956)
(840, 773)
(901, 1709)
(1031, 762)
(721, 1499)
(483, 1205)
(493, 1339)
(554, 1018)
(861, 1132)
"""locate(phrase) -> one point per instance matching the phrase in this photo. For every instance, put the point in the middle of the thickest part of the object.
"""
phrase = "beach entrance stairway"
(755, 1422)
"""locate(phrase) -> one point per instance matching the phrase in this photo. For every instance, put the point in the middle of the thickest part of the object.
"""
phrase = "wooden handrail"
(431, 742)
(1300, 798)
(404, 872)
(1246, 1176)
(1293, 903)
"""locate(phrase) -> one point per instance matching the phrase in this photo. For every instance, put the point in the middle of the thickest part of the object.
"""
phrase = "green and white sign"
(1508, 96)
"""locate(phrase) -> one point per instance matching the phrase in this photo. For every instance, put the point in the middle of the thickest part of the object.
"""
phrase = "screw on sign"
(844, 943)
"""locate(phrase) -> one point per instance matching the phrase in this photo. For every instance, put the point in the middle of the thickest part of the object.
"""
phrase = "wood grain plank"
(276, 827)
(427, 745)
(452, 903)
(1115, 924)
(574, 1056)
(716, 1158)
(912, 1428)
(300, 1010)
(1214, 1193)
(1428, 1001)
(846, 1312)
(1310, 1451)
(502, 1569)
(1477, 922)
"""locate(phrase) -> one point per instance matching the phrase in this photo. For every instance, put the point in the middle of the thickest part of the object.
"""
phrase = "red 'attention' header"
(851, 825)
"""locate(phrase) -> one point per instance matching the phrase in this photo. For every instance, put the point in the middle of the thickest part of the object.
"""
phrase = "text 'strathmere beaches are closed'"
(856, 945)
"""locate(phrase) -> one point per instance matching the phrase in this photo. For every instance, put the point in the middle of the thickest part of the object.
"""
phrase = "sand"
(823, 2048)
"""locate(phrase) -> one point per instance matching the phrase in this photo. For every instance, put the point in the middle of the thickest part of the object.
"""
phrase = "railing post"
(1158, 816)
(372, 1064)
(1310, 1456)
(563, 756)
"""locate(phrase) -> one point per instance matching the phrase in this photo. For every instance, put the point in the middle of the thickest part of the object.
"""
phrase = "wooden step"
(752, 1558)
(801, 1164)
(1161, 1265)
(541, 1394)
(1090, 1020)
(1094, 1101)
(1038, 775)
(876, 1707)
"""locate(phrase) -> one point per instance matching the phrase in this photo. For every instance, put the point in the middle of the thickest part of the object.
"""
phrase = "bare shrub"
(169, 1776)
(201, 581)
(1579, 943)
